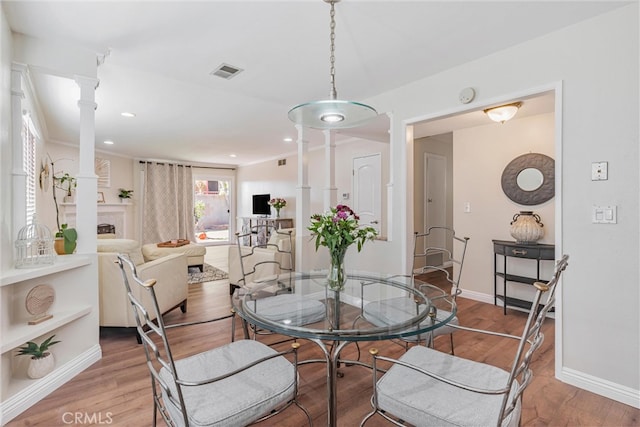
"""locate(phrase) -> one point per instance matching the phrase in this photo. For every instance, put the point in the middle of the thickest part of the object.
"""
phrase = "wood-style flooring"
(117, 390)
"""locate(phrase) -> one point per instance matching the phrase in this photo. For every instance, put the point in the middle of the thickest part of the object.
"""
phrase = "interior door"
(367, 184)
(435, 185)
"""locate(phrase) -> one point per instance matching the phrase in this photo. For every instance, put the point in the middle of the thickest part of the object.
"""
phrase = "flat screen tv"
(261, 204)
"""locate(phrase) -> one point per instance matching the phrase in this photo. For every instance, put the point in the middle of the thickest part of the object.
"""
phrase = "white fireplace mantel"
(108, 213)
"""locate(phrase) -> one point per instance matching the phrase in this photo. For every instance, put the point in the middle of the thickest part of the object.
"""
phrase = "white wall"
(6, 200)
(281, 181)
(480, 155)
(66, 160)
(597, 63)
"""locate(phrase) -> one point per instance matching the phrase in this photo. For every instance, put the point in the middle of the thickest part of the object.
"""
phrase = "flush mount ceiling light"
(331, 113)
(503, 113)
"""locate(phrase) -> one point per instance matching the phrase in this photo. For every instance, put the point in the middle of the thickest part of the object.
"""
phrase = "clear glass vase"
(337, 276)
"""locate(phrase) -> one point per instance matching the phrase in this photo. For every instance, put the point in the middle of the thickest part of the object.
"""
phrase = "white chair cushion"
(422, 400)
(298, 311)
(395, 310)
(234, 401)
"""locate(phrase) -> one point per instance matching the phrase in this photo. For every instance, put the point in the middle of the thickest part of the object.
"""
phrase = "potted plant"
(65, 242)
(42, 361)
(67, 183)
(125, 195)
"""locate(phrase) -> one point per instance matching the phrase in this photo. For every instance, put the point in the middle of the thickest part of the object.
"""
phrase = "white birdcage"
(34, 246)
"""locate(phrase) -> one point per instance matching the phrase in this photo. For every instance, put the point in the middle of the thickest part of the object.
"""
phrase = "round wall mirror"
(529, 179)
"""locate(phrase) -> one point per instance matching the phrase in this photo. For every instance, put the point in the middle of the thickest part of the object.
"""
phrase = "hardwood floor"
(117, 391)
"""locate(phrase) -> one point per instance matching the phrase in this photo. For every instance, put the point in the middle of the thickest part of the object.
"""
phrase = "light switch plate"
(599, 171)
(604, 215)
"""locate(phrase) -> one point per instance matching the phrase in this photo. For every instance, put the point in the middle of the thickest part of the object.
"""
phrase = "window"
(29, 141)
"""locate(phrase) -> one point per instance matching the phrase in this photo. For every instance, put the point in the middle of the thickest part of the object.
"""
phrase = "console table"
(252, 223)
(509, 249)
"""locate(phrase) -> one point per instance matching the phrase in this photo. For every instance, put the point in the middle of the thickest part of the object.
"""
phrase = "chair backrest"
(256, 264)
(532, 337)
(157, 351)
(431, 255)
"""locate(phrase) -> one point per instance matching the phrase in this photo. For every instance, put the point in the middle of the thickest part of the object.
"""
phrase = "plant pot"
(39, 367)
(58, 246)
(69, 199)
(124, 201)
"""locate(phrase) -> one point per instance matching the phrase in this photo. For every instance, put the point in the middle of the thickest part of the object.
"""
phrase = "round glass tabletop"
(370, 307)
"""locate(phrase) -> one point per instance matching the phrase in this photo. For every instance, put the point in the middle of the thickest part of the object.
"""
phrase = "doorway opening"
(212, 209)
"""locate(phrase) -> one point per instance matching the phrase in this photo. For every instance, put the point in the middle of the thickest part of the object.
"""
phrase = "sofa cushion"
(129, 247)
(280, 238)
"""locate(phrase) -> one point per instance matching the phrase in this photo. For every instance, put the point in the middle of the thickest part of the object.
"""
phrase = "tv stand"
(261, 237)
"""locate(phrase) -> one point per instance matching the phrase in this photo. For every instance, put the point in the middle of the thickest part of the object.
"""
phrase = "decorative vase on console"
(337, 230)
(278, 203)
(526, 227)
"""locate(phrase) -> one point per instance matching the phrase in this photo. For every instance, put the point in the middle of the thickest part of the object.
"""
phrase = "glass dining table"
(370, 307)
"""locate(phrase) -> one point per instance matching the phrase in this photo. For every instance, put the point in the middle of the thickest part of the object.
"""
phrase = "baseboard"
(610, 390)
(605, 388)
(477, 296)
(29, 396)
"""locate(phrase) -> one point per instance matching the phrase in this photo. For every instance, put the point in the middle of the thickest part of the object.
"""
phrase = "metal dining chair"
(240, 383)
(270, 267)
(426, 387)
(432, 260)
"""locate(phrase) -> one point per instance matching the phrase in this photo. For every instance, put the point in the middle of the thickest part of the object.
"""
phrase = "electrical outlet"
(599, 171)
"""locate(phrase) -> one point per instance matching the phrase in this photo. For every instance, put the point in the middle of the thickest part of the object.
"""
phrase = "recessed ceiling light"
(288, 139)
(108, 142)
(127, 114)
(232, 155)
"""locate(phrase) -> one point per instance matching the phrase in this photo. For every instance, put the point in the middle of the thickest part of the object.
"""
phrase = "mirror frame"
(541, 162)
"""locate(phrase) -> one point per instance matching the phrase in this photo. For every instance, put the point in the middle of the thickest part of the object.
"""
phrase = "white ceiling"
(160, 55)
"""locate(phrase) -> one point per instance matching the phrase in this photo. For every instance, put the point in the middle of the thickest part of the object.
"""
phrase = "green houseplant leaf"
(70, 236)
(38, 351)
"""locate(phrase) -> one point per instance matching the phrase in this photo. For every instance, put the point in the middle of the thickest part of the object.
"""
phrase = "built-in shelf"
(62, 263)
(74, 322)
(17, 335)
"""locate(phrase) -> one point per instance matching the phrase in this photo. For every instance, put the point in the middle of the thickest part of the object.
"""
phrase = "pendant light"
(332, 113)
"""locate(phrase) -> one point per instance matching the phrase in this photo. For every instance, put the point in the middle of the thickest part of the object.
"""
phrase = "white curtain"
(168, 202)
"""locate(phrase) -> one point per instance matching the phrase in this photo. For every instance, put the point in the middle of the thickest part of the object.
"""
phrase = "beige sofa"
(169, 271)
(195, 253)
(261, 254)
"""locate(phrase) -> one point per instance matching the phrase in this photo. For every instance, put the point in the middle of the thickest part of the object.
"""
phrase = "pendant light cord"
(333, 94)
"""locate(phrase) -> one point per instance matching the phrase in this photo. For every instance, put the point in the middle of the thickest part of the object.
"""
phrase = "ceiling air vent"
(226, 71)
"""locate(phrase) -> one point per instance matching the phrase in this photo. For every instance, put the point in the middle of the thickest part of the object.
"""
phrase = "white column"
(19, 175)
(330, 190)
(86, 194)
(303, 199)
